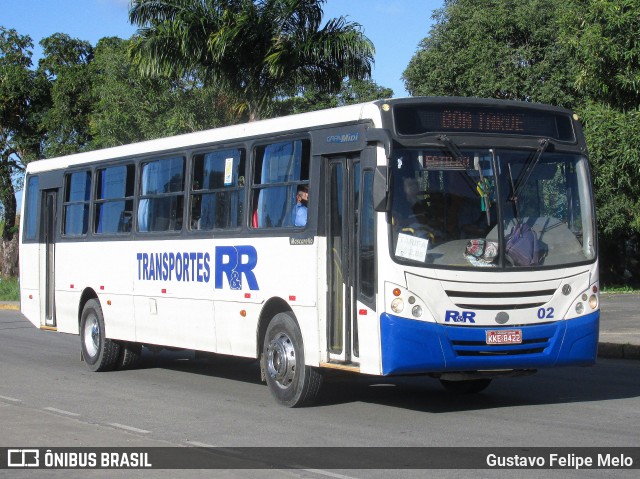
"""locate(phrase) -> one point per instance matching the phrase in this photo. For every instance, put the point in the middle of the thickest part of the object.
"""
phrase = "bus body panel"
(194, 305)
(410, 347)
(101, 268)
(30, 282)
(525, 302)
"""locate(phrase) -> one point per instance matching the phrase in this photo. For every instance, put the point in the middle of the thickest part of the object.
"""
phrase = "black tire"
(468, 386)
(99, 352)
(291, 383)
(129, 355)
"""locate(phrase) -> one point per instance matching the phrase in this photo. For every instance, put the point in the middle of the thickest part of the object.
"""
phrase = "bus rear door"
(48, 256)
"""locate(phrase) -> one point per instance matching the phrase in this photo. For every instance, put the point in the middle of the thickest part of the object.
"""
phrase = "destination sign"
(422, 119)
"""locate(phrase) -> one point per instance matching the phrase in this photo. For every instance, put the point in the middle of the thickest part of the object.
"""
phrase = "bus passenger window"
(76, 203)
(114, 199)
(162, 195)
(217, 199)
(31, 208)
(280, 169)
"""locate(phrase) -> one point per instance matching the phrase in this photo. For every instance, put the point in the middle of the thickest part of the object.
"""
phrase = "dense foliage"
(493, 49)
(580, 54)
(255, 50)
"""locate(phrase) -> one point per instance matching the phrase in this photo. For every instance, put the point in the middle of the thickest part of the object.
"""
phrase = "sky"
(394, 26)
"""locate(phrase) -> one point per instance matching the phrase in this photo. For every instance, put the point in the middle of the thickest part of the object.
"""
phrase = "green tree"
(604, 38)
(66, 63)
(352, 91)
(614, 147)
(129, 107)
(494, 49)
(21, 97)
(256, 50)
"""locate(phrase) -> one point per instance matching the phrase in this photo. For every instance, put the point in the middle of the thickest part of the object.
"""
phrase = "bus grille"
(500, 301)
(479, 348)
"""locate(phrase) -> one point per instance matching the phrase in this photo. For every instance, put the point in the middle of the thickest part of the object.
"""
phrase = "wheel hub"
(281, 360)
(91, 335)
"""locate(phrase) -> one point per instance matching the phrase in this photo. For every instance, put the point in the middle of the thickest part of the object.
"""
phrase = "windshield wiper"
(528, 169)
(452, 148)
(455, 153)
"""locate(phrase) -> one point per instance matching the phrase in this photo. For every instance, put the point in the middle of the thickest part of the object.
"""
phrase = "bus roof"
(350, 113)
(280, 125)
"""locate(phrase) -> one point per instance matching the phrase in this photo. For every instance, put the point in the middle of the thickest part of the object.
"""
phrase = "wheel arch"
(87, 295)
(272, 307)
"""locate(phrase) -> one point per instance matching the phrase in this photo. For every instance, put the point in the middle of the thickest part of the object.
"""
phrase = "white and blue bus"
(449, 237)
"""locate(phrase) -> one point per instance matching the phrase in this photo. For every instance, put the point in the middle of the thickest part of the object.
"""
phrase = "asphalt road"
(49, 398)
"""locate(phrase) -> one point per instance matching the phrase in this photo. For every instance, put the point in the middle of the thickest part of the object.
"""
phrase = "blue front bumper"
(410, 346)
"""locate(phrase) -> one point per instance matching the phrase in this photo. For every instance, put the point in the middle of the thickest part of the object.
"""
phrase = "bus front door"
(349, 247)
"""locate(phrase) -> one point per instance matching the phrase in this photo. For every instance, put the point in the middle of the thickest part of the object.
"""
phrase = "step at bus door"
(350, 248)
(47, 259)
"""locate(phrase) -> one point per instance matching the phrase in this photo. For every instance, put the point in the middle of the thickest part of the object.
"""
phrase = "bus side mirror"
(381, 189)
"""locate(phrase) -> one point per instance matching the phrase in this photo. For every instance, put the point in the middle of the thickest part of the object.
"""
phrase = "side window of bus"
(217, 199)
(31, 207)
(161, 195)
(114, 199)
(279, 169)
(77, 196)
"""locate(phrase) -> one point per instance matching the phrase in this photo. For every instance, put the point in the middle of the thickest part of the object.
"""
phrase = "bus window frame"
(252, 186)
(64, 203)
(28, 213)
(190, 192)
(95, 201)
(183, 154)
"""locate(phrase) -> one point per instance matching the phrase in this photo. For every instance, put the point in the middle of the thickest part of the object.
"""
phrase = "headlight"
(397, 305)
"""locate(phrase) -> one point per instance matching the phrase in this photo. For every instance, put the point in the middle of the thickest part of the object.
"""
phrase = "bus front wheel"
(99, 352)
(291, 383)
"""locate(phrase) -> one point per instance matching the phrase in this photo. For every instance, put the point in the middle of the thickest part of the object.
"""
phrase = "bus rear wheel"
(129, 355)
(468, 386)
(291, 383)
(99, 352)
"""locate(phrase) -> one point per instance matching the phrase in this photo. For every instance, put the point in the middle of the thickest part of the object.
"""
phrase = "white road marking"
(199, 444)
(328, 473)
(12, 400)
(129, 428)
(61, 411)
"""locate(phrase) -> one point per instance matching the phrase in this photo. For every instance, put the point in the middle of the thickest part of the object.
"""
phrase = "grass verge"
(9, 289)
(619, 289)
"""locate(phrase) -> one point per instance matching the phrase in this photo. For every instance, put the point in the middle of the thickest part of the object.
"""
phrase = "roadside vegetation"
(9, 289)
(619, 289)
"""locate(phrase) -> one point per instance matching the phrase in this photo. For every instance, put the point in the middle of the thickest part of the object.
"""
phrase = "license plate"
(511, 336)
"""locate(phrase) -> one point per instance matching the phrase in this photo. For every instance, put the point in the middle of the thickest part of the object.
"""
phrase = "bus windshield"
(491, 208)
